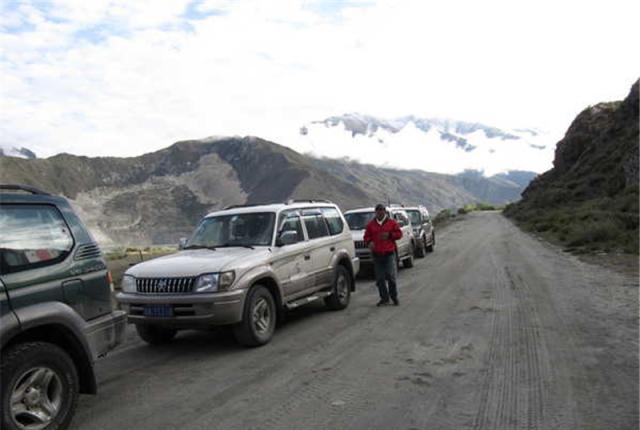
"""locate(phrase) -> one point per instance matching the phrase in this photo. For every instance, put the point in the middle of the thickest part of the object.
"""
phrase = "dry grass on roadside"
(120, 259)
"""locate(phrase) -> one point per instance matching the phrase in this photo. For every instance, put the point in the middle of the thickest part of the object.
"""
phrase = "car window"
(247, 229)
(359, 220)
(414, 215)
(316, 226)
(402, 220)
(32, 236)
(334, 220)
(292, 222)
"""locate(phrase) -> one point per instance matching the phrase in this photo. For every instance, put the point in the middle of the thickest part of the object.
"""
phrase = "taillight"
(110, 280)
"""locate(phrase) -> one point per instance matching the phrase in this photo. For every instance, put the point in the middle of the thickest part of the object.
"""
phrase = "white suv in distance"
(243, 267)
(358, 220)
(422, 229)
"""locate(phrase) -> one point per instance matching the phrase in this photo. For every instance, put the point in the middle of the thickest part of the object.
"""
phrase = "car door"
(404, 244)
(427, 225)
(292, 262)
(320, 247)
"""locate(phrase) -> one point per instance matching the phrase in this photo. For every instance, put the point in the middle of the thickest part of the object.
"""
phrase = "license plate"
(158, 311)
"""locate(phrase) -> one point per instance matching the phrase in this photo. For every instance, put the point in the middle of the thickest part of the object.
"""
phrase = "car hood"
(357, 235)
(195, 262)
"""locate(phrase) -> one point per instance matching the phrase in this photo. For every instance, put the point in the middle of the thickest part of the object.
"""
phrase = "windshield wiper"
(212, 248)
(230, 245)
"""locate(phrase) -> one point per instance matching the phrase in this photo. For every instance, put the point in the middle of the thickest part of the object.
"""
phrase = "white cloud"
(122, 78)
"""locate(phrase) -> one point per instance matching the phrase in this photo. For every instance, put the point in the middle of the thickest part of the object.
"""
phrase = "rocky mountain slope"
(160, 196)
(589, 199)
(7, 150)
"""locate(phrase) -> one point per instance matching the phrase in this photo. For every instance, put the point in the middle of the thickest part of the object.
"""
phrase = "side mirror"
(287, 237)
(182, 243)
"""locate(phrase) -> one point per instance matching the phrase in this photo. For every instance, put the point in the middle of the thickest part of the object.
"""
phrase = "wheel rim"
(36, 398)
(342, 288)
(261, 316)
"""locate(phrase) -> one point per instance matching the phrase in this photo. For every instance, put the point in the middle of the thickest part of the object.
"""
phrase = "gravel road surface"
(495, 330)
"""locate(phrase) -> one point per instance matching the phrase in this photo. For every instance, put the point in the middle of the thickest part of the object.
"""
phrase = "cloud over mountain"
(431, 144)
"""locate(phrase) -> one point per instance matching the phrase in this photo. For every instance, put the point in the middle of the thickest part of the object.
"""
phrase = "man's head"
(381, 212)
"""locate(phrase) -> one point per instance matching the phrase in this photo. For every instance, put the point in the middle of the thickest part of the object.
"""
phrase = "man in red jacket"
(380, 236)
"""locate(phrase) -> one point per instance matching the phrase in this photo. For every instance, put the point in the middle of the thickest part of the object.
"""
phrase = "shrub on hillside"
(443, 216)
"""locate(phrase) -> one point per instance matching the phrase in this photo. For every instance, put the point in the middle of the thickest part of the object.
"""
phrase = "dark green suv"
(56, 314)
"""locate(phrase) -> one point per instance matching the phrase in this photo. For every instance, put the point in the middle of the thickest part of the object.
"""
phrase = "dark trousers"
(385, 268)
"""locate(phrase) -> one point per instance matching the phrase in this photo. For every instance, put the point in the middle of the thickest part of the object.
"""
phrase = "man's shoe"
(383, 303)
(395, 302)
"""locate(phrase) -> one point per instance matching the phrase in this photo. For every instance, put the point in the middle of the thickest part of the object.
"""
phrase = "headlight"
(226, 279)
(212, 282)
(128, 284)
(207, 283)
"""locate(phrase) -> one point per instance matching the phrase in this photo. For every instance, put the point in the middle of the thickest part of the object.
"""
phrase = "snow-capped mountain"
(7, 150)
(431, 144)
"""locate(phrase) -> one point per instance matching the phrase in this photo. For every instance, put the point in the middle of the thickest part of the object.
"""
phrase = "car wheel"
(408, 262)
(421, 249)
(341, 293)
(155, 335)
(433, 243)
(258, 320)
(39, 383)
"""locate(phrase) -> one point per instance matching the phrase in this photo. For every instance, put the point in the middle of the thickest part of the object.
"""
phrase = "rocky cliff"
(589, 199)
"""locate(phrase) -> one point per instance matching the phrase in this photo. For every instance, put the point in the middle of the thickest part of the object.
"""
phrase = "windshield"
(251, 229)
(359, 220)
(414, 216)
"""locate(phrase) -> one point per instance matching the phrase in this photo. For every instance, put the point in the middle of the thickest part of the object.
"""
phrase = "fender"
(255, 274)
(9, 328)
(62, 316)
(343, 254)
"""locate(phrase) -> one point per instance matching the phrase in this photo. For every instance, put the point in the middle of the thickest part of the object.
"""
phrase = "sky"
(122, 78)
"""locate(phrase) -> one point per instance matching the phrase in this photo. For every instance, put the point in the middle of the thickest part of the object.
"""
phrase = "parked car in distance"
(243, 267)
(56, 313)
(423, 229)
(358, 220)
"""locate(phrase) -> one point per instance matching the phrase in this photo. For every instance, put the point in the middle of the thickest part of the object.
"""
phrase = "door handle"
(307, 257)
(333, 248)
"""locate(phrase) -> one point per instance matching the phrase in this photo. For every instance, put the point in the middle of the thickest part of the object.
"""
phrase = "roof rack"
(27, 188)
(292, 201)
(242, 206)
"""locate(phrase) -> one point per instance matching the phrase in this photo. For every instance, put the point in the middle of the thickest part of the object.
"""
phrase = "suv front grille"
(165, 285)
(359, 244)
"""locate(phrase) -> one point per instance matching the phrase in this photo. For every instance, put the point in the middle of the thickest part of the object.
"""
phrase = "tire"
(433, 243)
(155, 335)
(45, 378)
(341, 290)
(408, 260)
(421, 250)
(258, 318)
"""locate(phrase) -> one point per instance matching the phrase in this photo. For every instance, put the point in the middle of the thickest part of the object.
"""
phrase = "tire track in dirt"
(514, 387)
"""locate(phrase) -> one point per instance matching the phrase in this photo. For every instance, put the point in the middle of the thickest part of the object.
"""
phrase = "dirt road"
(495, 330)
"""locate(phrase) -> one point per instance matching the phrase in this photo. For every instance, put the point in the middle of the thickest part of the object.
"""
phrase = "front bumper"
(364, 254)
(189, 310)
(355, 264)
(105, 333)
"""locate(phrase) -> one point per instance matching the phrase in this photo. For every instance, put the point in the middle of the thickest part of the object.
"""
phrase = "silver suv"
(358, 220)
(422, 229)
(243, 267)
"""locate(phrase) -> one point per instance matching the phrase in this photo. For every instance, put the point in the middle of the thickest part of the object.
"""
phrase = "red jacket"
(373, 231)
